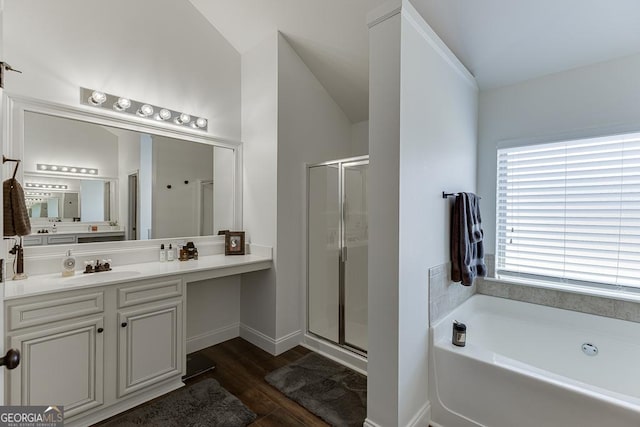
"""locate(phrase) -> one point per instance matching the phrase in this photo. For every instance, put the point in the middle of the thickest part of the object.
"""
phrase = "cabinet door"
(149, 345)
(60, 366)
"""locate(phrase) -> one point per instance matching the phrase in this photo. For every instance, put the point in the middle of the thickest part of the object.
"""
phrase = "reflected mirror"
(86, 178)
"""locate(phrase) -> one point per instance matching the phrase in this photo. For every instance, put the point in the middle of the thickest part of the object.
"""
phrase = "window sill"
(614, 294)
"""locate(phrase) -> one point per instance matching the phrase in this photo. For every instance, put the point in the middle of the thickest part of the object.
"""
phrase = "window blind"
(570, 211)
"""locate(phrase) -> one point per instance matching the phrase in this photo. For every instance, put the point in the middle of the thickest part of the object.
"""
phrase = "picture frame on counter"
(234, 243)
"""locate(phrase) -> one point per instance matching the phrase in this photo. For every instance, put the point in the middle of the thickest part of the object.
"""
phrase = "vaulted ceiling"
(500, 41)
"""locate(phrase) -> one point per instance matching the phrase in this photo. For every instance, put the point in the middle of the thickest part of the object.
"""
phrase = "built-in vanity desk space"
(104, 342)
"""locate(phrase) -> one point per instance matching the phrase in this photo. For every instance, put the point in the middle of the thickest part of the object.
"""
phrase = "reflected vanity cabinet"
(97, 351)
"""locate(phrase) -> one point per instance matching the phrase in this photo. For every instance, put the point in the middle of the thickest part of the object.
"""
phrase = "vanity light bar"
(32, 185)
(96, 98)
(66, 169)
(32, 194)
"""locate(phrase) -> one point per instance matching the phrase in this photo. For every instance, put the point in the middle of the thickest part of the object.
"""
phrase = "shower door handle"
(343, 254)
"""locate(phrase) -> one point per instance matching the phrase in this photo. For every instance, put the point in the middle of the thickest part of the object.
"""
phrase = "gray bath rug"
(205, 403)
(333, 392)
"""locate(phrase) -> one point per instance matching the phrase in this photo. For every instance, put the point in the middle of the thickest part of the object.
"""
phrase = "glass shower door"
(355, 252)
(323, 267)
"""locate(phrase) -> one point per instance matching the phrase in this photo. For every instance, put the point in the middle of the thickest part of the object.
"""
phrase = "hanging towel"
(467, 251)
(16, 216)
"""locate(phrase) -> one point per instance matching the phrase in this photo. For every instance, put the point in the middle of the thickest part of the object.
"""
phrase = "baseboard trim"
(268, 344)
(331, 351)
(288, 341)
(214, 337)
(369, 423)
(422, 417)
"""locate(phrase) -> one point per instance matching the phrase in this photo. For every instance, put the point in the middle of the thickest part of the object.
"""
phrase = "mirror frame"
(15, 106)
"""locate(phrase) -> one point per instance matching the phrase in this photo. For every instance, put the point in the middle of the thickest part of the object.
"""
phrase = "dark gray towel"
(16, 216)
(467, 251)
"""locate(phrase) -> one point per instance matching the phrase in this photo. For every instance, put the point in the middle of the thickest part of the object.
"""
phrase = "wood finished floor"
(241, 367)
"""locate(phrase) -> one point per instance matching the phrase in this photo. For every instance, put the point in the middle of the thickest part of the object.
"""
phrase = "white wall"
(360, 138)
(288, 120)
(128, 163)
(91, 200)
(587, 101)
(260, 154)
(223, 185)
(384, 176)
(159, 51)
(423, 121)
(145, 188)
(175, 210)
(212, 312)
(58, 141)
(311, 128)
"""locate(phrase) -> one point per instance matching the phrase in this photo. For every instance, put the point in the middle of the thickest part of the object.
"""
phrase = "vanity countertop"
(206, 267)
(78, 232)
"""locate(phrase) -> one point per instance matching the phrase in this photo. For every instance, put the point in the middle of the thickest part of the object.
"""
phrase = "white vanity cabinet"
(150, 334)
(61, 342)
(97, 351)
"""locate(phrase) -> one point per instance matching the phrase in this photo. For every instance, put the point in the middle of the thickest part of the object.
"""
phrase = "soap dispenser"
(163, 253)
(170, 253)
(68, 265)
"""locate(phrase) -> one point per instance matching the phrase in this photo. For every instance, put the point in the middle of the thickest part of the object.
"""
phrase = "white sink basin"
(103, 276)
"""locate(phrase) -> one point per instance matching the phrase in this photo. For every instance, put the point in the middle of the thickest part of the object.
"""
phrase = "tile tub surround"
(601, 306)
(445, 295)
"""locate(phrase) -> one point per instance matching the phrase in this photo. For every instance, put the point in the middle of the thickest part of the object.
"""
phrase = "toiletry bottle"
(68, 265)
(170, 253)
(54, 229)
(459, 334)
(163, 253)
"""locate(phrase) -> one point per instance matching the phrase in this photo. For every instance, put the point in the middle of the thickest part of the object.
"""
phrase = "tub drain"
(589, 349)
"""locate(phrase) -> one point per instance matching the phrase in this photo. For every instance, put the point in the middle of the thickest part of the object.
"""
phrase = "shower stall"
(337, 248)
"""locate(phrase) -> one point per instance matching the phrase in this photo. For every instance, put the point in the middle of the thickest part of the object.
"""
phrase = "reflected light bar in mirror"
(42, 167)
(48, 187)
(107, 101)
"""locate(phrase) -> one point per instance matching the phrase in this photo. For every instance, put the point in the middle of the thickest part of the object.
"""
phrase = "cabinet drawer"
(33, 241)
(58, 240)
(148, 292)
(52, 310)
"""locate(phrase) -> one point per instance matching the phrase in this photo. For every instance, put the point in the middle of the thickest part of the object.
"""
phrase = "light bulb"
(74, 170)
(65, 169)
(183, 119)
(43, 167)
(92, 171)
(83, 170)
(145, 111)
(201, 122)
(122, 104)
(164, 114)
(97, 98)
(54, 168)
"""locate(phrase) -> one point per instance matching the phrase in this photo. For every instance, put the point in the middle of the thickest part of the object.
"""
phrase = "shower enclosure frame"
(342, 252)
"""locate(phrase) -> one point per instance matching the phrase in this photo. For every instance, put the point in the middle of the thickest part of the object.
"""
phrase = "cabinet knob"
(100, 330)
(123, 324)
(11, 360)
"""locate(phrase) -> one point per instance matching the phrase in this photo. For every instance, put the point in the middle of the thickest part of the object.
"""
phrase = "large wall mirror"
(101, 178)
